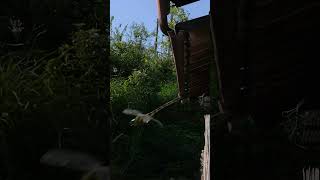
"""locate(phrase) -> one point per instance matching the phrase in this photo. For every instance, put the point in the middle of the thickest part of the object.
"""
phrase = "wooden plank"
(206, 150)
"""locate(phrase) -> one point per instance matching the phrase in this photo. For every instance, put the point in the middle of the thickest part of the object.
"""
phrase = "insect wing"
(131, 112)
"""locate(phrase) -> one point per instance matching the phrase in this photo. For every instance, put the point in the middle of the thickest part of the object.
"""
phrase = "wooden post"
(206, 150)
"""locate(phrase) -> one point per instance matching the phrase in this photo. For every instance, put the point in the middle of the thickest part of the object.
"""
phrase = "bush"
(143, 80)
(42, 92)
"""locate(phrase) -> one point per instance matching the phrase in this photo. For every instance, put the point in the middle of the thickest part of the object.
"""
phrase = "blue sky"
(144, 11)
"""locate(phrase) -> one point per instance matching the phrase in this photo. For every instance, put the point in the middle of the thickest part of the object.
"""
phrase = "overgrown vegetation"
(43, 90)
(49, 82)
(62, 88)
(143, 78)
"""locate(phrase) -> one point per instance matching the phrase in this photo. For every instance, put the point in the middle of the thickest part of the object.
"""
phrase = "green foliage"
(41, 92)
(47, 24)
(138, 34)
(125, 58)
(21, 82)
(177, 15)
(168, 91)
(142, 79)
(54, 73)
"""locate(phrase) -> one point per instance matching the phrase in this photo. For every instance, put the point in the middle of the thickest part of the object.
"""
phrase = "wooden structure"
(266, 60)
(205, 155)
(192, 50)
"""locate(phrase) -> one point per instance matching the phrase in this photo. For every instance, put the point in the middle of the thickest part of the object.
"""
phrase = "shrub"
(41, 92)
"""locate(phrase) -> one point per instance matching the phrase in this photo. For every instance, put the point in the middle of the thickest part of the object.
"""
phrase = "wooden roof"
(183, 2)
(191, 48)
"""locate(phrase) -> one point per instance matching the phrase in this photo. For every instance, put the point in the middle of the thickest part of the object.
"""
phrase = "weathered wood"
(206, 150)
(191, 50)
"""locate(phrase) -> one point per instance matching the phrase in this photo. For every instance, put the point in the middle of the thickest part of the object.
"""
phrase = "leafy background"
(143, 77)
(54, 73)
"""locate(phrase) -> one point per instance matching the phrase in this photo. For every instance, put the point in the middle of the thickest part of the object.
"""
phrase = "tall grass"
(44, 91)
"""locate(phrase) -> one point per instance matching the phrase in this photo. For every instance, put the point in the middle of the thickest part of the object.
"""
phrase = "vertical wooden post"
(206, 150)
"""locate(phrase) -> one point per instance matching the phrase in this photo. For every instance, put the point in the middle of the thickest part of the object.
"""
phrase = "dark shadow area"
(54, 89)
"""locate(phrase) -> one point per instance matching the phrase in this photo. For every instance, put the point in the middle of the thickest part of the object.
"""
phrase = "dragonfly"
(140, 117)
(146, 118)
